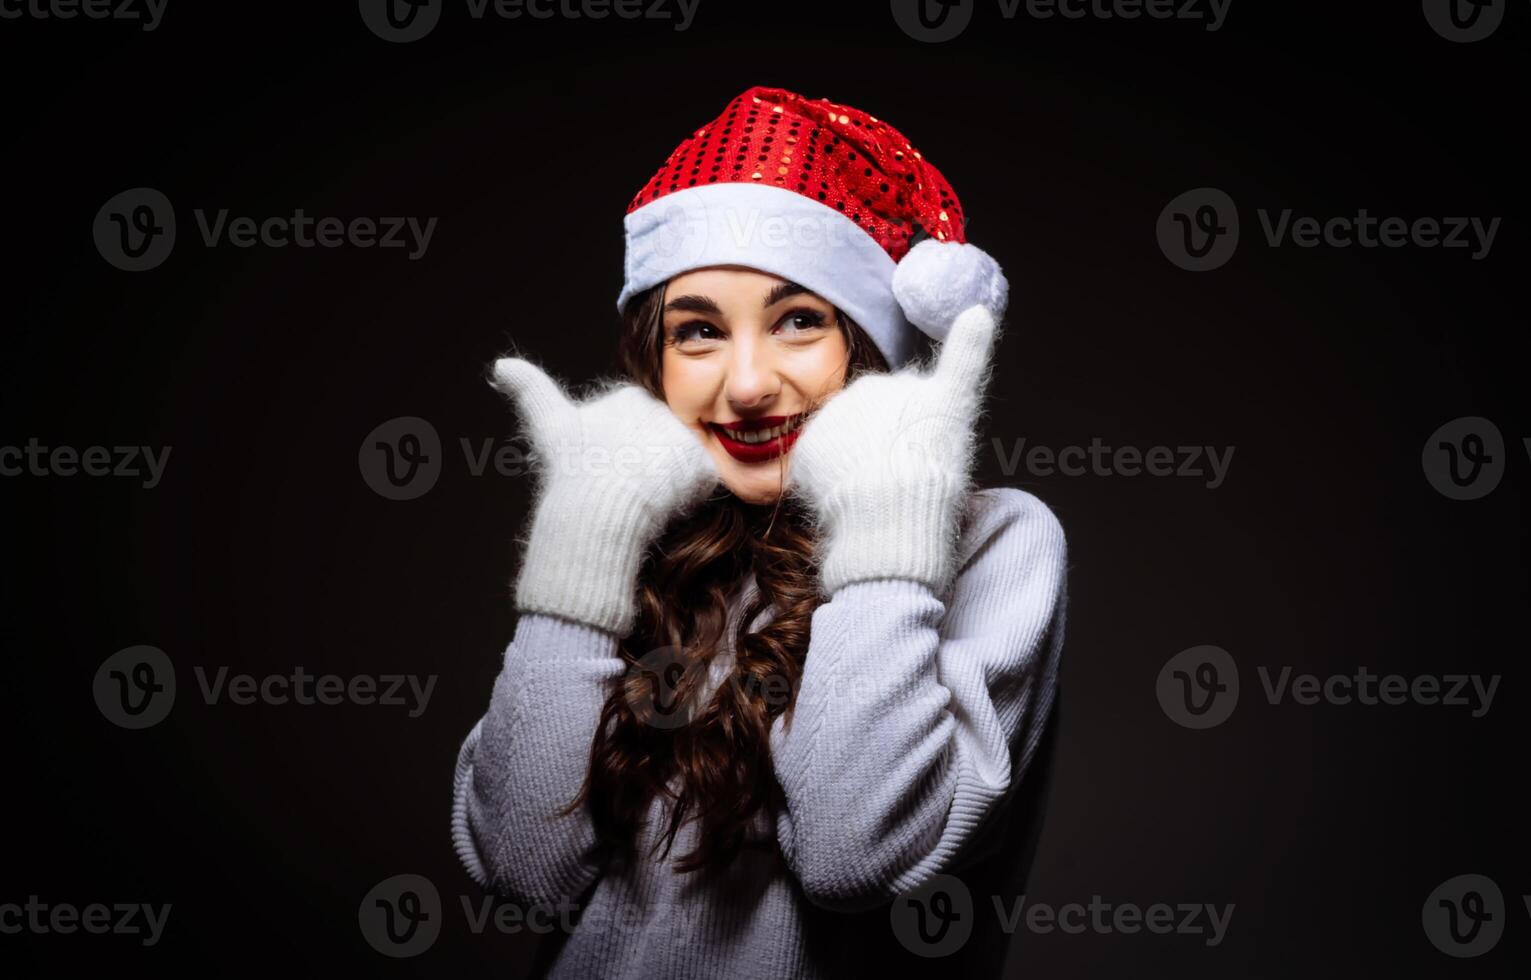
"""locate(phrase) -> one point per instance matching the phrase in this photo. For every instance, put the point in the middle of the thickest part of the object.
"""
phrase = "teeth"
(764, 435)
(760, 435)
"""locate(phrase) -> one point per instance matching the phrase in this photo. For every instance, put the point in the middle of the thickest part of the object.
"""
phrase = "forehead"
(724, 280)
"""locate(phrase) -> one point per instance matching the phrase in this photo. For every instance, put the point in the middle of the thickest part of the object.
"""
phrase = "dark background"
(1326, 548)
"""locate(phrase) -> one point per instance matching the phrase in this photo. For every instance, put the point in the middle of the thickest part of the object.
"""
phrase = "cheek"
(822, 366)
(687, 385)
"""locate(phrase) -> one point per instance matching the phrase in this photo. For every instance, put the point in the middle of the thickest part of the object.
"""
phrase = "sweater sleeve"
(526, 759)
(915, 718)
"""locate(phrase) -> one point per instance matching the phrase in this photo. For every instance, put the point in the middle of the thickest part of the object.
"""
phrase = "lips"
(729, 434)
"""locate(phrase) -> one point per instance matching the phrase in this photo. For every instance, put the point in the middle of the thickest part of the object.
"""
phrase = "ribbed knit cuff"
(903, 530)
(582, 557)
(462, 827)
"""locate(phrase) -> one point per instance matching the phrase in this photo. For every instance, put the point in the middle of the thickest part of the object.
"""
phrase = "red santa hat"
(821, 194)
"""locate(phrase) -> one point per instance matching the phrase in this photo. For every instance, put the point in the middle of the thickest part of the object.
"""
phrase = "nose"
(754, 378)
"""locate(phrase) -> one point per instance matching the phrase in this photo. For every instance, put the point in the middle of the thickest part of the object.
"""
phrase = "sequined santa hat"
(821, 194)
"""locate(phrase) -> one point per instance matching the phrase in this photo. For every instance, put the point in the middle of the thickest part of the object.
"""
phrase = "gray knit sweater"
(916, 718)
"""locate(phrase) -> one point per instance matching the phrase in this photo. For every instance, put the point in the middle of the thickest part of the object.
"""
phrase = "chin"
(759, 483)
(759, 499)
(755, 493)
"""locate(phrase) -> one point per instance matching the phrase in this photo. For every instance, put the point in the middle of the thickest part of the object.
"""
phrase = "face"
(746, 353)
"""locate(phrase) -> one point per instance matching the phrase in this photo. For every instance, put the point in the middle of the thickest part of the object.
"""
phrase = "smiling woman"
(747, 358)
(798, 670)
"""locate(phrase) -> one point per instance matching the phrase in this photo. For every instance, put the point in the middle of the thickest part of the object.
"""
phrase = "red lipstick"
(757, 452)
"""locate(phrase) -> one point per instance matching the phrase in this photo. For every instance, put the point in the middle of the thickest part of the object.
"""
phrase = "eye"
(804, 319)
(690, 330)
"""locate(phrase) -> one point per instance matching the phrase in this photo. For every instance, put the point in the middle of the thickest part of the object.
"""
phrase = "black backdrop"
(1326, 371)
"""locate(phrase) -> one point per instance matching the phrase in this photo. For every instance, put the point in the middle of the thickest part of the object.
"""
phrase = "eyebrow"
(705, 304)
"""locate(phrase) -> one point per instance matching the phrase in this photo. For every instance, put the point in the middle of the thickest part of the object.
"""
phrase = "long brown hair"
(721, 753)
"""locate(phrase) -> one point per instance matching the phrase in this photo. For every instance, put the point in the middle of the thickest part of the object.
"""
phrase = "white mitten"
(613, 470)
(886, 464)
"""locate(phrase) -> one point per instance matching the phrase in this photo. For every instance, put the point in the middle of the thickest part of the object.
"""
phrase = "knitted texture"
(917, 716)
(887, 462)
(612, 470)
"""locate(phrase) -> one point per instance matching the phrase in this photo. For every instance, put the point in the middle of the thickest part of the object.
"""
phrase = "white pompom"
(937, 280)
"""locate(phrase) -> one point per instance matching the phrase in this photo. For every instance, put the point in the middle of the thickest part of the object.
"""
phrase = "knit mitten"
(613, 470)
(886, 464)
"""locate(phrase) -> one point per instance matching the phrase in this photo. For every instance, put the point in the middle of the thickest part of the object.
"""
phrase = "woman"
(778, 662)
